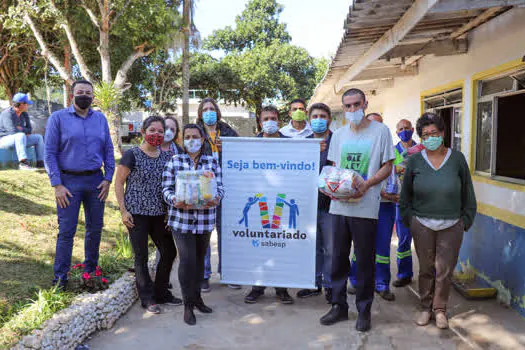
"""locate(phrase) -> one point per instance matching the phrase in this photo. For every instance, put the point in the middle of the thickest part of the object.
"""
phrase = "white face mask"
(270, 127)
(355, 117)
(169, 135)
(193, 145)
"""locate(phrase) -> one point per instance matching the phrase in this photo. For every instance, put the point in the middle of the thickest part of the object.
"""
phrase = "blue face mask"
(432, 143)
(209, 117)
(319, 125)
(405, 135)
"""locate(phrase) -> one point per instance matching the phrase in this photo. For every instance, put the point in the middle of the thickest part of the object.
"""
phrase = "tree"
(260, 63)
(124, 31)
(20, 69)
(257, 25)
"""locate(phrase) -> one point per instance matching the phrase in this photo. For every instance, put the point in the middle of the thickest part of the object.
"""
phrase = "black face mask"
(83, 101)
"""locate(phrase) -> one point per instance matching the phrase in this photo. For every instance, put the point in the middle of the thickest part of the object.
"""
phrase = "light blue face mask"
(355, 117)
(270, 127)
(209, 117)
(319, 125)
(432, 143)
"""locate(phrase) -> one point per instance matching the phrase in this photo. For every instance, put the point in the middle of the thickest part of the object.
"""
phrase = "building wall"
(495, 246)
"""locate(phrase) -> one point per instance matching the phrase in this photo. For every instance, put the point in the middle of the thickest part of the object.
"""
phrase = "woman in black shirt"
(143, 212)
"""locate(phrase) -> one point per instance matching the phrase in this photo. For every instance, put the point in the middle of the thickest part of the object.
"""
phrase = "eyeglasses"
(433, 134)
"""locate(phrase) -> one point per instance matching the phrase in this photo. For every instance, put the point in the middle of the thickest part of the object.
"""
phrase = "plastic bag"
(392, 185)
(339, 183)
(400, 165)
(195, 187)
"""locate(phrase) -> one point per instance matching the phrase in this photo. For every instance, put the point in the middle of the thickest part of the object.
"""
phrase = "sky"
(316, 25)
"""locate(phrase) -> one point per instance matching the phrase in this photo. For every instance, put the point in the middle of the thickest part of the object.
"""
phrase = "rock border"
(87, 314)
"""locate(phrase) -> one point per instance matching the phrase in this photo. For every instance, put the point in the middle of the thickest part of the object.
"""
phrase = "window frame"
(493, 98)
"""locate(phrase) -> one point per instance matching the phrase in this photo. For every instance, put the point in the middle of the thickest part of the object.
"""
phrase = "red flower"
(77, 266)
(83, 266)
(98, 273)
(104, 280)
(86, 275)
(98, 268)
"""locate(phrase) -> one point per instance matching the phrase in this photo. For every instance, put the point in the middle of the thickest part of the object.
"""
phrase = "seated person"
(15, 131)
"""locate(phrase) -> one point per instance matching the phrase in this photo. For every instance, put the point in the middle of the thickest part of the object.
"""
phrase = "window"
(449, 105)
(500, 140)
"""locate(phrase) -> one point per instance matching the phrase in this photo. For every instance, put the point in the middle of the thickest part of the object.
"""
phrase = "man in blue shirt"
(15, 131)
(77, 145)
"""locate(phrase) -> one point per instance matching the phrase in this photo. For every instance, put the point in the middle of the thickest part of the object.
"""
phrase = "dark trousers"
(207, 258)
(324, 248)
(363, 233)
(85, 192)
(437, 252)
(192, 248)
(155, 227)
(385, 226)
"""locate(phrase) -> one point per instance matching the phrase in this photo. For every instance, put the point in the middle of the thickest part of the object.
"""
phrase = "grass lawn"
(28, 231)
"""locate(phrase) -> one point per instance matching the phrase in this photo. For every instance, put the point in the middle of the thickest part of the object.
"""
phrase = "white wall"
(499, 41)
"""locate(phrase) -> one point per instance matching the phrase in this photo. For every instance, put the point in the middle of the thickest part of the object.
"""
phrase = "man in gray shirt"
(364, 146)
(16, 131)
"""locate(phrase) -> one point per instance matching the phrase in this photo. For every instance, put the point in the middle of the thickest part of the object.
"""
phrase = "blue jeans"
(84, 190)
(20, 141)
(404, 250)
(324, 247)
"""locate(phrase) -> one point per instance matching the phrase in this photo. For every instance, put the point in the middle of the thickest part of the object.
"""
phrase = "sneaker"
(284, 297)
(252, 297)
(336, 314)
(441, 320)
(205, 286)
(60, 285)
(423, 318)
(152, 309)
(387, 295)
(234, 286)
(402, 282)
(170, 300)
(364, 322)
(306, 293)
(25, 165)
(351, 290)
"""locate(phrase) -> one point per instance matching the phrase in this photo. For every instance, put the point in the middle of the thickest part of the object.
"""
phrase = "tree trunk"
(186, 63)
(67, 65)
(258, 109)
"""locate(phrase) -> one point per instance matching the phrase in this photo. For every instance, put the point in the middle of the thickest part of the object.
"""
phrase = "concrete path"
(270, 325)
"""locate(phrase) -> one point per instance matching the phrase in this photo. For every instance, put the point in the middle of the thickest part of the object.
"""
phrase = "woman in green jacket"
(438, 204)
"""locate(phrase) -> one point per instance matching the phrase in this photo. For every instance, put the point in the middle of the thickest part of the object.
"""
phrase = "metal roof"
(384, 39)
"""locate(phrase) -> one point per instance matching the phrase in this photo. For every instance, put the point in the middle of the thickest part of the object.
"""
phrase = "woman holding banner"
(191, 227)
(209, 119)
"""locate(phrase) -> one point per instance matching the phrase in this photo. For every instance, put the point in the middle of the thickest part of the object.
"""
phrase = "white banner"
(269, 211)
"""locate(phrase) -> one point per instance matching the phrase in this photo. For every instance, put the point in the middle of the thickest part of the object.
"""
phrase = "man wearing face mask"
(269, 120)
(404, 130)
(364, 146)
(77, 146)
(298, 126)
